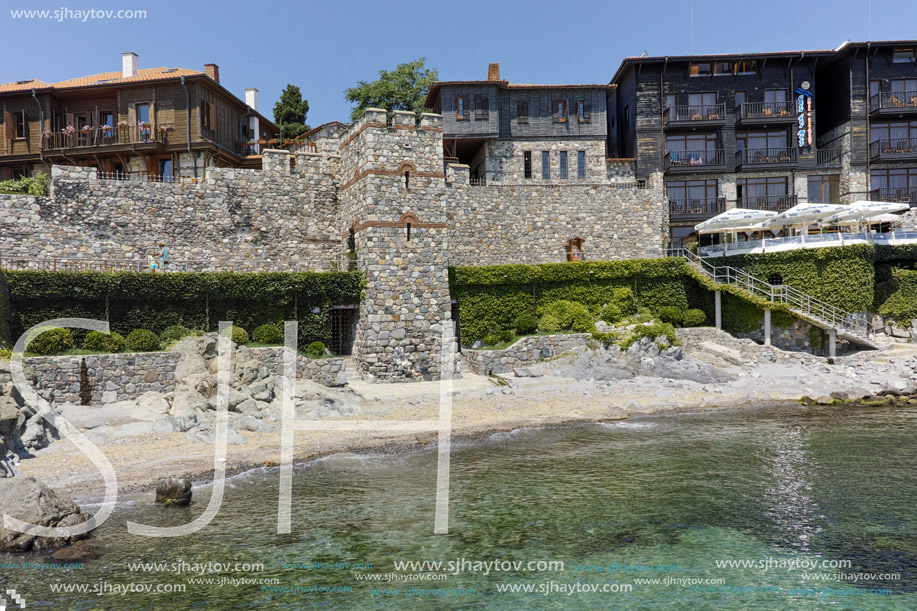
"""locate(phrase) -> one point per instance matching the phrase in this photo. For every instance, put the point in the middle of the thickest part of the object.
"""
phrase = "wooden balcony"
(766, 113)
(98, 137)
(695, 161)
(766, 158)
(904, 195)
(893, 103)
(703, 115)
(696, 210)
(894, 149)
(775, 203)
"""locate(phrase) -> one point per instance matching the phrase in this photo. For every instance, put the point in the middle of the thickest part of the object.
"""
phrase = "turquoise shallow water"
(667, 499)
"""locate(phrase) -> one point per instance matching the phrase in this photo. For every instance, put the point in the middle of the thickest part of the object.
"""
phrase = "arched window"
(775, 279)
(575, 249)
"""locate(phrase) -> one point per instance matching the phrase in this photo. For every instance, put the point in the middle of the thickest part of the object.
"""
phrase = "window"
(461, 108)
(546, 165)
(899, 185)
(522, 112)
(563, 164)
(670, 100)
(725, 68)
(747, 66)
(775, 279)
(581, 164)
(893, 130)
(701, 104)
(143, 114)
(626, 118)
(758, 192)
(775, 102)
(761, 140)
(481, 108)
(527, 164)
(165, 170)
(107, 117)
(903, 56)
(22, 122)
(874, 88)
(691, 194)
(702, 69)
(207, 115)
(560, 111)
(691, 142)
(823, 190)
(741, 96)
(583, 112)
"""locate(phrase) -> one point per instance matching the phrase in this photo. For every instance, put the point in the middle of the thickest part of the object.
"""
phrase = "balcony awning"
(863, 209)
(735, 219)
(802, 215)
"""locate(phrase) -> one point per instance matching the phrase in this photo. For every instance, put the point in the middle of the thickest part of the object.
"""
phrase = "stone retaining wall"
(526, 351)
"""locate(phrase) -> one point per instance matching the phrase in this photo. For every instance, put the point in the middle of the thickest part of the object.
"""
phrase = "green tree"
(290, 112)
(404, 88)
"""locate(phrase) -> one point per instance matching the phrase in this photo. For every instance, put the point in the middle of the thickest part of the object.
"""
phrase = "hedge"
(131, 300)
(492, 297)
(897, 298)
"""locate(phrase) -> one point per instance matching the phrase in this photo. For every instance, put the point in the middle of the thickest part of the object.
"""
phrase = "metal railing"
(696, 208)
(894, 100)
(905, 195)
(777, 203)
(828, 156)
(176, 265)
(768, 110)
(819, 312)
(893, 147)
(690, 159)
(766, 156)
(694, 112)
(146, 177)
(477, 182)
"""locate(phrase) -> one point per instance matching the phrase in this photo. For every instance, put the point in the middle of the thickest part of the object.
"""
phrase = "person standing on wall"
(163, 257)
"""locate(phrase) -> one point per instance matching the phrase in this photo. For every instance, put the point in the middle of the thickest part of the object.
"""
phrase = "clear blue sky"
(325, 47)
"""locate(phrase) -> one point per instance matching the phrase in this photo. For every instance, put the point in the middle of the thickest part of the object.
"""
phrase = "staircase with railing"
(854, 328)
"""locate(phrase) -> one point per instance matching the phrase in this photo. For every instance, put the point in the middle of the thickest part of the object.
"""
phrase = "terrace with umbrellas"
(745, 231)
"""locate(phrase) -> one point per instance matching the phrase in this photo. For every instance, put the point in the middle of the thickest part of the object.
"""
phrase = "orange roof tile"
(24, 85)
(103, 78)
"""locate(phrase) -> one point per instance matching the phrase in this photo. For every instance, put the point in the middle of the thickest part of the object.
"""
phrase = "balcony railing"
(894, 100)
(904, 195)
(775, 203)
(785, 110)
(696, 209)
(694, 159)
(694, 113)
(828, 156)
(893, 148)
(103, 137)
(766, 156)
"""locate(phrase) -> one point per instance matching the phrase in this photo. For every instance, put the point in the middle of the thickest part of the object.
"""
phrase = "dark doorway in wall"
(343, 329)
(458, 326)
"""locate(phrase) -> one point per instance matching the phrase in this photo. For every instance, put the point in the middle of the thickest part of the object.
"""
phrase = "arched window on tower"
(575, 249)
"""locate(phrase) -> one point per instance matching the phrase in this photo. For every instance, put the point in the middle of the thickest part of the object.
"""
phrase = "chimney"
(213, 71)
(493, 72)
(251, 98)
(128, 64)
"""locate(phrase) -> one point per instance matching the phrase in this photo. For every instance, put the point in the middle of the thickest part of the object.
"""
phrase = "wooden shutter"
(485, 108)
(10, 124)
(587, 112)
(213, 116)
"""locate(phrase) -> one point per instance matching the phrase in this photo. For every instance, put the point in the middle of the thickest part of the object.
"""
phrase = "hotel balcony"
(766, 158)
(894, 149)
(696, 210)
(904, 195)
(703, 115)
(893, 103)
(695, 161)
(775, 203)
(98, 137)
(766, 113)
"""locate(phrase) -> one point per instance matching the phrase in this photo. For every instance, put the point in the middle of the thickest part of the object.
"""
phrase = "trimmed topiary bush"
(611, 314)
(671, 314)
(491, 339)
(239, 336)
(103, 342)
(505, 335)
(142, 340)
(268, 334)
(565, 314)
(548, 323)
(694, 318)
(316, 350)
(526, 324)
(51, 342)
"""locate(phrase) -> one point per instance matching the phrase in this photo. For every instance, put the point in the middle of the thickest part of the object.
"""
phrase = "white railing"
(821, 313)
(901, 236)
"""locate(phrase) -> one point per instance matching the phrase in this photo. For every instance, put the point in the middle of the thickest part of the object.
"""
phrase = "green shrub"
(582, 320)
(174, 333)
(652, 330)
(51, 342)
(27, 185)
(268, 334)
(506, 335)
(316, 350)
(624, 299)
(671, 314)
(142, 340)
(548, 323)
(5, 354)
(611, 314)
(694, 318)
(239, 336)
(491, 339)
(897, 297)
(526, 324)
(104, 342)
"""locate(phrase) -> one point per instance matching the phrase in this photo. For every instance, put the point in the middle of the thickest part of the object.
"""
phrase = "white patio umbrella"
(802, 215)
(862, 210)
(734, 219)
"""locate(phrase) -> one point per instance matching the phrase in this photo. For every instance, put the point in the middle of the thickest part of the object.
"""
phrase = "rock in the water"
(27, 499)
(825, 400)
(78, 552)
(174, 491)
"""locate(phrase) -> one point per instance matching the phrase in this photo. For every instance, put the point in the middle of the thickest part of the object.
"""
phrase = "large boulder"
(174, 491)
(27, 499)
